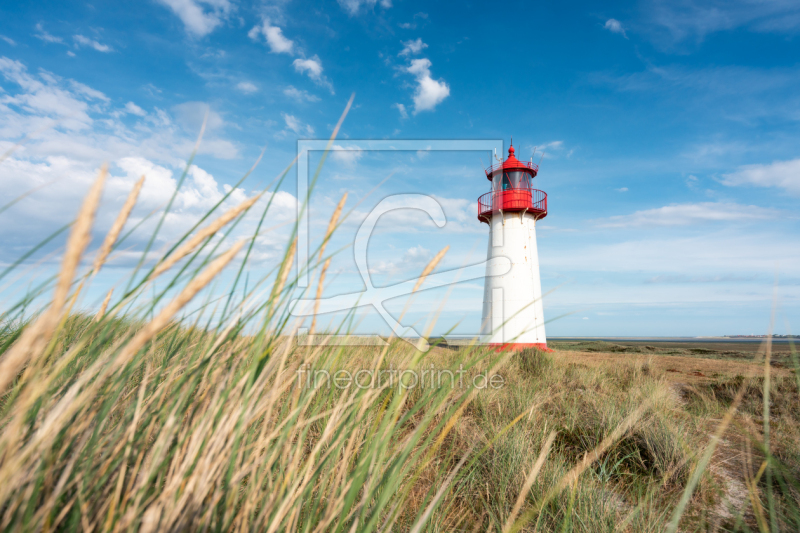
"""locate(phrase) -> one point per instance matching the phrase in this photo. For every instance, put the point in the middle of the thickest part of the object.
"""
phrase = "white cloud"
(553, 145)
(429, 92)
(782, 174)
(693, 20)
(300, 95)
(615, 26)
(190, 115)
(459, 215)
(66, 182)
(279, 44)
(151, 89)
(312, 67)
(65, 154)
(246, 87)
(622, 189)
(685, 214)
(412, 47)
(84, 90)
(276, 41)
(9, 40)
(413, 25)
(296, 125)
(134, 109)
(354, 7)
(707, 254)
(80, 40)
(44, 97)
(542, 150)
(198, 21)
(46, 37)
(79, 123)
(402, 109)
(412, 260)
(86, 131)
(348, 156)
(737, 93)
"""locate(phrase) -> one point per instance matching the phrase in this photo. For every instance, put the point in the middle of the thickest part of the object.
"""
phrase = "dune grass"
(140, 418)
(190, 434)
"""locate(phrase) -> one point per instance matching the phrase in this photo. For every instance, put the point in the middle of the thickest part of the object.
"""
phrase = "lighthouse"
(513, 315)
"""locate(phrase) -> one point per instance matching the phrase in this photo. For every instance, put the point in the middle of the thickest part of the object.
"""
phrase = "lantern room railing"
(532, 201)
(518, 165)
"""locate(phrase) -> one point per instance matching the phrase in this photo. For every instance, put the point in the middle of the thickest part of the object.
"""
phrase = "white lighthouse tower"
(513, 316)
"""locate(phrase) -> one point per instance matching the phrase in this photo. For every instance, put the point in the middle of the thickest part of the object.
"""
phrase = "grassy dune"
(141, 418)
(194, 432)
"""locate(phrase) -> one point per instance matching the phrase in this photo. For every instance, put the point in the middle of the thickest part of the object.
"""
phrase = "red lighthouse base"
(518, 346)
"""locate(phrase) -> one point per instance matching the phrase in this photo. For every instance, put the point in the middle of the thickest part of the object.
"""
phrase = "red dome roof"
(513, 164)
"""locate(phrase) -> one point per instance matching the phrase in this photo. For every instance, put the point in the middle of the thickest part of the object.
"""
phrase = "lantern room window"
(511, 180)
(515, 179)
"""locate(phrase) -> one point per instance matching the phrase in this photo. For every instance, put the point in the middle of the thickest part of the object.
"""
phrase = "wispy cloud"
(355, 7)
(681, 279)
(782, 174)
(295, 125)
(80, 40)
(312, 67)
(9, 40)
(705, 254)
(134, 109)
(686, 214)
(733, 92)
(615, 26)
(200, 17)
(730, 80)
(692, 20)
(277, 42)
(413, 25)
(43, 35)
(412, 47)
(46, 96)
(412, 259)
(300, 95)
(402, 109)
(246, 87)
(429, 92)
(191, 116)
(348, 156)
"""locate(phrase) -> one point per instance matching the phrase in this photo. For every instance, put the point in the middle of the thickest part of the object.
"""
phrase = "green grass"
(190, 436)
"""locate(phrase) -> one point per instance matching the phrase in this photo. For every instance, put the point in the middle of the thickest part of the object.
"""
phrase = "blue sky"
(670, 132)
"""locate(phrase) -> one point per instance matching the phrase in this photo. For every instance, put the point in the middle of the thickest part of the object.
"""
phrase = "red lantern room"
(512, 189)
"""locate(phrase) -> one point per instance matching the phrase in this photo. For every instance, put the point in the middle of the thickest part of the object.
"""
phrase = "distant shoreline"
(676, 339)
